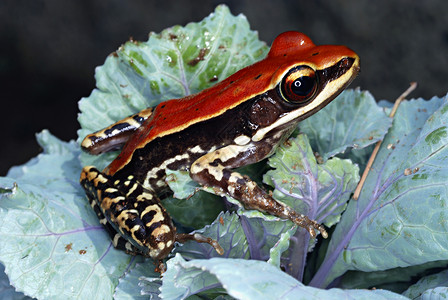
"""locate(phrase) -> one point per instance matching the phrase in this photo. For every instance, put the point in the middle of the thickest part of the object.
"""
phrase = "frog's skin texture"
(237, 122)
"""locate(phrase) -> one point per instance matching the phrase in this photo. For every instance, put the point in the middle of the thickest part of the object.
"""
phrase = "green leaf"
(179, 283)
(150, 286)
(394, 279)
(175, 63)
(129, 285)
(317, 191)
(430, 287)
(240, 237)
(248, 279)
(263, 234)
(353, 119)
(280, 247)
(193, 207)
(56, 169)
(440, 292)
(227, 231)
(51, 242)
(400, 218)
(181, 184)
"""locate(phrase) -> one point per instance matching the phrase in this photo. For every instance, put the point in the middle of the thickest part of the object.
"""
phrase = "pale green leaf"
(317, 191)
(400, 218)
(150, 286)
(129, 286)
(438, 293)
(240, 237)
(353, 120)
(227, 231)
(180, 283)
(51, 242)
(430, 287)
(248, 279)
(394, 279)
(281, 246)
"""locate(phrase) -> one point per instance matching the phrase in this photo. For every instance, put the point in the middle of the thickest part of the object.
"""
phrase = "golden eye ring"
(299, 85)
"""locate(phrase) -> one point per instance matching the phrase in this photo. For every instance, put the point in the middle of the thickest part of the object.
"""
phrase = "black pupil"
(303, 86)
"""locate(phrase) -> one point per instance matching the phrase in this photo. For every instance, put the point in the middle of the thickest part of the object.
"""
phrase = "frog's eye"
(299, 85)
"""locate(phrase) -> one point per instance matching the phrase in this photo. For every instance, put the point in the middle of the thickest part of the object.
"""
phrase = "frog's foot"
(199, 238)
(133, 216)
(307, 223)
(254, 197)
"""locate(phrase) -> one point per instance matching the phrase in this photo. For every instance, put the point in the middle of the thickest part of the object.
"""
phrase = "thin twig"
(378, 144)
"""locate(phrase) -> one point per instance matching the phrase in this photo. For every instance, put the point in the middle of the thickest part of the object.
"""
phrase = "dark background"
(50, 48)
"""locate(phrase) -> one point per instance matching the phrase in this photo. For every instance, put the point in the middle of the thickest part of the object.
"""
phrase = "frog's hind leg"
(133, 217)
(118, 241)
(124, 207)
(116, 135)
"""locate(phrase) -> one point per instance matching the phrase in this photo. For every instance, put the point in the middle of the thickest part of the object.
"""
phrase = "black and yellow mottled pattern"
(124, 207)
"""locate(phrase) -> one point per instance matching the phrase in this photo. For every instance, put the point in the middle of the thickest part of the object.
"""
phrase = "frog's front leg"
(115, 135)
(214, 169)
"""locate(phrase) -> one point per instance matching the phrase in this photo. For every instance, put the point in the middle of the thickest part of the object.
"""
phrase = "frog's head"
(311, 75)
(307, 77)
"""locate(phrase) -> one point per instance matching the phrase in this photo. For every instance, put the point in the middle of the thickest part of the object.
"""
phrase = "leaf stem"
(358, 189)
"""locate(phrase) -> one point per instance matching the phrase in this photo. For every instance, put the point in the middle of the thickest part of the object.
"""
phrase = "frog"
(239, 121)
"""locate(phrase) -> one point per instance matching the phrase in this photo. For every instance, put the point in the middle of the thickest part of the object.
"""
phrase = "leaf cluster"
(393, 237)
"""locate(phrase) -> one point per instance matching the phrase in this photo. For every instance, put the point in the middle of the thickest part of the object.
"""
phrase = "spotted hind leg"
(118, 241)
(124, 207)
(133, 216)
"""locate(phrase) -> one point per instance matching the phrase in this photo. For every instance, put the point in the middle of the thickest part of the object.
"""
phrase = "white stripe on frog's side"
(153, 172)
(223, 155)
(196, 149)
(229, 152)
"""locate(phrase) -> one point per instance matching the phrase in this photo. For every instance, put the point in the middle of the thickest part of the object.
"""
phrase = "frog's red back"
(288, 50)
